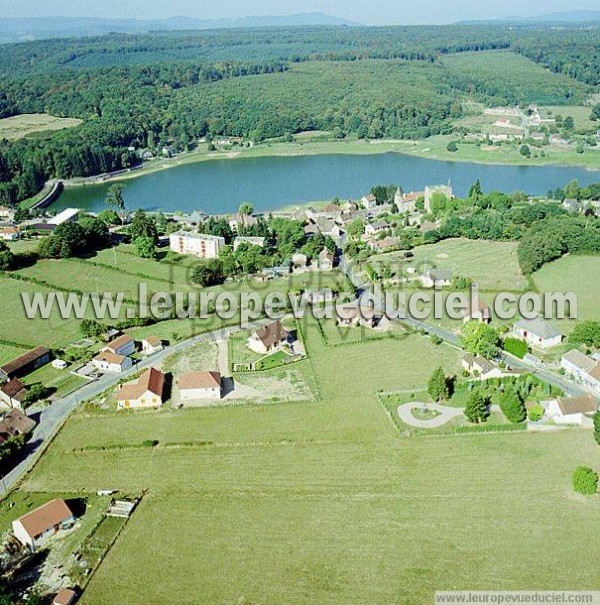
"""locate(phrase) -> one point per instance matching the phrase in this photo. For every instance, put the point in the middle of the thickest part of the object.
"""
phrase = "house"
(269, 338)
(582, 368)
(66, 216)
(325, 260)
(110, 363)
(10, 234)
(147, 392)
(252, 241)
(481, 367)
(66, 596)
(35, 528)
(478, 311)
(199, 386)
(196, 244)
(123, 345)
(7, 213)
(242, 220)
(27, 363)
(407, 202)
(538, 333)
(385, 244)
(151, 344)
(372, 229)
(13, 393)
(570, 410)
(16, 423)
(316, 296)
(368, 201)
(571, 205)
(352, 315)
(436, 278)
(431, 190)
(299, 261)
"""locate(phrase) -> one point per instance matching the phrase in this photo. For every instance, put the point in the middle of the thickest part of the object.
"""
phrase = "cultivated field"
(18, 127)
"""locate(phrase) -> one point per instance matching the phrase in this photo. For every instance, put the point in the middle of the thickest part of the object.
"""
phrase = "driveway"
(446, 413)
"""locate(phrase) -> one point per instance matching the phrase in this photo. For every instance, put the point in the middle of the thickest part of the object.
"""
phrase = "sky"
(369, 12)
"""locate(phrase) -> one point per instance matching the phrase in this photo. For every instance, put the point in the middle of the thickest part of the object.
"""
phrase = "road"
(51, 417)
(568, 386)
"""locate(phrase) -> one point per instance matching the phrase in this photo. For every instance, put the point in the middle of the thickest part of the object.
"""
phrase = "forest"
(172, 88)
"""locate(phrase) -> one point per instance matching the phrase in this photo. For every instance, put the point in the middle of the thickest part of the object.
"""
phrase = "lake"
(219, 186)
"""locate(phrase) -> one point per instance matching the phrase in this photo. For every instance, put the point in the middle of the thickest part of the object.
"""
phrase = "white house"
(325, 260)
(369, 201)
(252, 241)
(571, 410)
(13, 393)
(10, 234)
(481, 367)
(582, 368)
(299, 261)
(107, 362)
(146, 392)
(478, 311)
(199, 386)
(196, 244)
(372, 229)
(35, 528)
(123, 345)
(538, 333)
(269, 338)
(436, 278)
(151, 344)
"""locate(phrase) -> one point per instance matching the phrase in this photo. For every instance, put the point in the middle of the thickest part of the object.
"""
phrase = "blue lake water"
(219, 186)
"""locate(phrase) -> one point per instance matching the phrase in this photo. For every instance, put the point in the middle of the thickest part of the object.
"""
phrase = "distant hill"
(579, 17)
(38, 28)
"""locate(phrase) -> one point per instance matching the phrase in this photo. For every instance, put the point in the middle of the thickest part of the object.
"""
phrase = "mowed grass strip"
(17, 127)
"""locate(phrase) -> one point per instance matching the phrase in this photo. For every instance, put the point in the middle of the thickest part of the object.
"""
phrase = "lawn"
(60, 382)
(324, 501)
(493, 265)
(8, 352)
(18, 127)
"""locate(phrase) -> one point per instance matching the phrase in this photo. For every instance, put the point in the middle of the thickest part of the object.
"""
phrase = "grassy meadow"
(325, 501)
(18, 127)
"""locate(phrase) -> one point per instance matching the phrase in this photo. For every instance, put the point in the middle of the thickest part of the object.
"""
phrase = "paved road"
(52, 416)
(568, 386)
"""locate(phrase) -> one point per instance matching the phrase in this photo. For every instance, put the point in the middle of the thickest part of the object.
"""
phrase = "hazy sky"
(369, 12)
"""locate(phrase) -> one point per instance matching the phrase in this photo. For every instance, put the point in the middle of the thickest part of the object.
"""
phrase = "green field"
(325, 501)
(18, 127)
(493, 265)
(573, 274)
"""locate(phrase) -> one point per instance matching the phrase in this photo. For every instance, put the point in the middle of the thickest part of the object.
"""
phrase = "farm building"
(269, 338)
(35, 528)
(147, 392)
(123, 345)
(16, 423)
(151, 344)
(583, 368)
(199, 386)
(538, 333)
(26, 363)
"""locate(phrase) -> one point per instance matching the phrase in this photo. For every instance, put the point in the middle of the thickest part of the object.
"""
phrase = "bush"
(536, 412)
(452, 147)
(585, 480)
(516, 347)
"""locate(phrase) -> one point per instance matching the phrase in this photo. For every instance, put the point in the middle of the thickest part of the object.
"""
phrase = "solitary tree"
(114, 199)
(145, 247)
(438, 386)
(585, 481)
(480, 339)
(476, 409)
(597, 427)
(512, 406)
(246, 208)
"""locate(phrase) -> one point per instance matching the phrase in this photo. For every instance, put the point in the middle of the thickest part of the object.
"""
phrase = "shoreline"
(428, 149)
